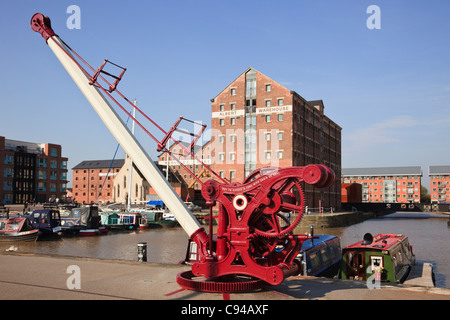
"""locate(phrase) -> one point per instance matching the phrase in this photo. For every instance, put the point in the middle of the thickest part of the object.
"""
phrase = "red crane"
(254, 244)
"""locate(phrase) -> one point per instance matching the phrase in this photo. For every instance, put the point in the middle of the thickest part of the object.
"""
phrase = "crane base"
(224, 284)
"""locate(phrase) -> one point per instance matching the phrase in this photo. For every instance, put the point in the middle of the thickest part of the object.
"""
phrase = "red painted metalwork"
(42, 24)
(254, 234)
(112, 86)
(254, 244)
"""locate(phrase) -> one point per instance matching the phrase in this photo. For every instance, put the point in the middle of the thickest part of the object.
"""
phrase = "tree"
(424, 195)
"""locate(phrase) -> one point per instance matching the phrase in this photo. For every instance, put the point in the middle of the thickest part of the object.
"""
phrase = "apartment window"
(280, 135)
(233, 91)
(267, 136)
(280, 117)
(233, 106)
(53, 164)
(232, 175)
(267, 155)
(280, 154)
(280, 102)
(222, 122)
(267, 103)
(222, 139)
(232, 121)
(268, 87)
(222, 107)
(53, 152)
(222, 157)
(9, 159)
(232, 156)
(232, 138)
(268, 118)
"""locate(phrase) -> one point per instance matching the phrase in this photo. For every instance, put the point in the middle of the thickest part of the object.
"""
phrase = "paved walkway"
(31, 276)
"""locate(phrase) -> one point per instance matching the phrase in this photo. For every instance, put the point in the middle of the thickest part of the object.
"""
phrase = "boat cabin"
(84, 217)
(48, 221)
(320, 257)
(19, 228)
(131, 220)
(387, 256)
(83, 221)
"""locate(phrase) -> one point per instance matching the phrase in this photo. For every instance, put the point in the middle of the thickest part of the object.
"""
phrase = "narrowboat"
(83, 221)
(111, 220)
(17, 229)
(321, 256)
(387, 257)
(131, 220)
(155, 219)
(48, 222)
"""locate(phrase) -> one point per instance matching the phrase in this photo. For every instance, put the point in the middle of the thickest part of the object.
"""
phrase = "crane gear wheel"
(269, 223)
(224, 284)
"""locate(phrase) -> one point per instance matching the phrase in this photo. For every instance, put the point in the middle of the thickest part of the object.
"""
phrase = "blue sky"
(389, 89)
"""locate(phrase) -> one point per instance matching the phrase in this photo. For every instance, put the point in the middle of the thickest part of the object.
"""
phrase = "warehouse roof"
(383, 171)
(97, 164)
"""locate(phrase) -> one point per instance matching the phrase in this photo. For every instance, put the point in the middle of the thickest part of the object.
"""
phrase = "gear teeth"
(294, 223)
(184, 279)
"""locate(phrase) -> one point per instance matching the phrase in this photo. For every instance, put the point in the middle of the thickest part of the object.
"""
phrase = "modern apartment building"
(387, 184)
(439, 184)
(257, 122)
(31, 172)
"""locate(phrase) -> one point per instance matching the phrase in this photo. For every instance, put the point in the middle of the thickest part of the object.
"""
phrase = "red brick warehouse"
(257, 122)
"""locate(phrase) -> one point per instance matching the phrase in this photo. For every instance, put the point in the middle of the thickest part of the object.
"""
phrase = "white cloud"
(381, 133)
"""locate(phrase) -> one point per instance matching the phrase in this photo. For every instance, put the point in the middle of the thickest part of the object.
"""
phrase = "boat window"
(13, 226)
(315, 261)
(324, 254)
(376, 262)
(356, 260)
(2, 225)
(350, 258)
(55, 215)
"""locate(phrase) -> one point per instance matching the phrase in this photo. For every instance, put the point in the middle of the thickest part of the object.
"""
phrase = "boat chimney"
(311, 233)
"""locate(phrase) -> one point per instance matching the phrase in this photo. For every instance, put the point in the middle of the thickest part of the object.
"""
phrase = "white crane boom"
(117, 127)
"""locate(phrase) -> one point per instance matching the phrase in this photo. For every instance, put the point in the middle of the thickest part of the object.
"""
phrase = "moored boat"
(385, 257)
(155, 219)
(131, 220)
(83, 221)
(17, 229)
(48, 222)
(111, 220)
(321, 256)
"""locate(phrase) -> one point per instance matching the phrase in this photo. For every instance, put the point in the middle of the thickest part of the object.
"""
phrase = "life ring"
(240, 202)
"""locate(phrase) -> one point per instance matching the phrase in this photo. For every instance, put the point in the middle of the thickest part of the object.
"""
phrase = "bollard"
(142, 251)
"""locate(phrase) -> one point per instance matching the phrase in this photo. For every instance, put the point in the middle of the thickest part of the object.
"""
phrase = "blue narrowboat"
(48, 222)
(321, 256)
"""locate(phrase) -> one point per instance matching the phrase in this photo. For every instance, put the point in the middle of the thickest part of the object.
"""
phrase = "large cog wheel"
(286, 198)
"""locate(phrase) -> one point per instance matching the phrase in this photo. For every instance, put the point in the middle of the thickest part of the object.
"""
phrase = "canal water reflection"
(428, 233)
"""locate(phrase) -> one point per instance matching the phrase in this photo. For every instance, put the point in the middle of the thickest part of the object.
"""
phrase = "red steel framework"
(254, 244)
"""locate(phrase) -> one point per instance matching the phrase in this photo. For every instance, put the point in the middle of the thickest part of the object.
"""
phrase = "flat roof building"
(386, 184)
(31, 172)
(439, 183)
